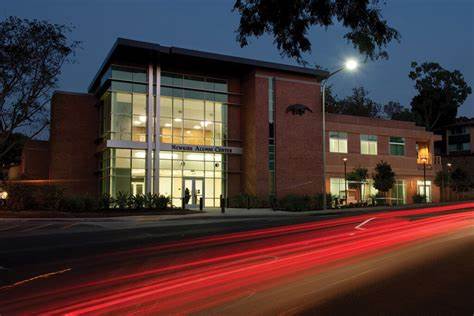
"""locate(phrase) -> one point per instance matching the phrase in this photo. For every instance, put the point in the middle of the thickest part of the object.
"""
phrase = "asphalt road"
(401, 262)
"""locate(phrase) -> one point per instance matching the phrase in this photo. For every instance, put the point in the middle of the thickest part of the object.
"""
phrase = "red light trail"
(191, 276)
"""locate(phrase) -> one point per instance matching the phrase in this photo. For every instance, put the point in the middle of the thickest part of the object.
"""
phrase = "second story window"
(397, 146)
(337, 142)
(368, 144)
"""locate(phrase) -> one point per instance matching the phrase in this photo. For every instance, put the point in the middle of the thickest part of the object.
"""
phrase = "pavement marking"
(41, 276)
(36, 227)
(359, 227)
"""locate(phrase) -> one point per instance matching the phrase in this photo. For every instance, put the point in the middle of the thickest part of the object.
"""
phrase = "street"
(414, 261)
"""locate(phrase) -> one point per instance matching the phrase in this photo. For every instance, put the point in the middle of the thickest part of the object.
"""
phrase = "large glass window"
(123, 170)
(368, 144)
(176, 167)
(422, 189)
(196, 117)
(398, 192)
(337, 187)
(397, 146)
(338, 142)
(123, 110)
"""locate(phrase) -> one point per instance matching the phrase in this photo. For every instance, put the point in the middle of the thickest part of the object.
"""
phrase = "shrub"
(161, 202)
(48, 197)
(295, 203)
(73, 204)
(148, 201)
(105, 201)
(20, 197)
(330, 199)
(136, 202)
(122, 200)
(249, 201)
(90, 203)
(418, 198)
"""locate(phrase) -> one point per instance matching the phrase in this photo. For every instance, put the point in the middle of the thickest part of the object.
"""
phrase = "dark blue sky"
(432, 30)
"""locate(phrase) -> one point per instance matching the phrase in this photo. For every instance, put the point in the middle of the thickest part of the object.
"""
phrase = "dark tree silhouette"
(288, 21)
(384, 177)
(395, 111)
(31, 56)
(359, 104)
(440, 93)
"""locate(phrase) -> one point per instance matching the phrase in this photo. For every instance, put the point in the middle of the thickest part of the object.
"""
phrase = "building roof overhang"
(144, 52)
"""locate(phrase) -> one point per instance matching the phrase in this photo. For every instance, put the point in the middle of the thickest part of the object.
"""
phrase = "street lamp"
(350, 65)
(424, 177)
(345, 177)
(449, 165)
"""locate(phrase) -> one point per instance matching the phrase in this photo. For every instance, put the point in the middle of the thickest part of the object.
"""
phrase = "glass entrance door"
(193, 191)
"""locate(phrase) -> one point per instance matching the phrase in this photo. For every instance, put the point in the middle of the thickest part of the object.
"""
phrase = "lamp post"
(424, 178)
(345, 177)
(449, 180)
(351, 65)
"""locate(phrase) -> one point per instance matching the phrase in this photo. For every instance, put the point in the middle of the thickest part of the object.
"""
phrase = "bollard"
(222, 205)
(200, 203)
(248, 202)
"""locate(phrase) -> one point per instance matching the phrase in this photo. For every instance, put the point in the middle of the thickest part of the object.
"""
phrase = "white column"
(156, 163)
(149, 129)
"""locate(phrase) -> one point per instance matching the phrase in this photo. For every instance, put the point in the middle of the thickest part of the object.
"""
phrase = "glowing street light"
(349, 65)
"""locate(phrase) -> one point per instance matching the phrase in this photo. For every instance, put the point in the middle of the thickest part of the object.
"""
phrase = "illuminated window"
(368, 144)
(338, 142)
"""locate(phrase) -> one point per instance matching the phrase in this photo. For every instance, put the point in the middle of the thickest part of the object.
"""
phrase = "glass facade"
(123, 170)
(193, 111)
(123, 110)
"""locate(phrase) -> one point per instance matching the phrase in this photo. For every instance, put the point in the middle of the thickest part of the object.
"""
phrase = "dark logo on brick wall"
(298, 109)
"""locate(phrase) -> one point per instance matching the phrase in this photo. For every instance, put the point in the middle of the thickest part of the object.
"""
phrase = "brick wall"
(74, 129)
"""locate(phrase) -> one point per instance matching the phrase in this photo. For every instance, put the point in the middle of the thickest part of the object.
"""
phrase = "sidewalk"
(39, 226)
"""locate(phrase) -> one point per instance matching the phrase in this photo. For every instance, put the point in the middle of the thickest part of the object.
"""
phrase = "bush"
(295, 203)
(330, 199)
(161, 202)
(48, 197)
(105, 201)
(148, 201)
(20, 197)
(136, 202)
(249, 201)
(418, 198)
(73, 204)
(122, 200)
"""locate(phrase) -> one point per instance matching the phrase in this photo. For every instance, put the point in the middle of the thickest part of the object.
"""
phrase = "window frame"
(390, 143)
(366, 138)
(338, 139)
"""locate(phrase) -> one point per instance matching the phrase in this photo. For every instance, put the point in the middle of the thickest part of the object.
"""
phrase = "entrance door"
(195, 187)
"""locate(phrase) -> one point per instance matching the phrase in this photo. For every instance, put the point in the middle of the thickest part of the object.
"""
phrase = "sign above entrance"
(203, 148)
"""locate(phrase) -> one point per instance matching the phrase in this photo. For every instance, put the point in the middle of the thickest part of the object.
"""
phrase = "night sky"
(431, 30)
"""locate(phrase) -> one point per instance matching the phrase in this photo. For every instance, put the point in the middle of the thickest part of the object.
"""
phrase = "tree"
(31, 56)
(358, 104)
(442, 179)
(395, 111)
(356, 178)
(460, 181)
(440, 93)
(13, 155)
(384, 177)
(288, 23)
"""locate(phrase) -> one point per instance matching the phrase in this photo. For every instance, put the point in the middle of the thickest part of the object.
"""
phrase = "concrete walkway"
(39, 226)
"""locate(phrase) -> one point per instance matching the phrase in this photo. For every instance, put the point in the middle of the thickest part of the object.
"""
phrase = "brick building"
(169, 120)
